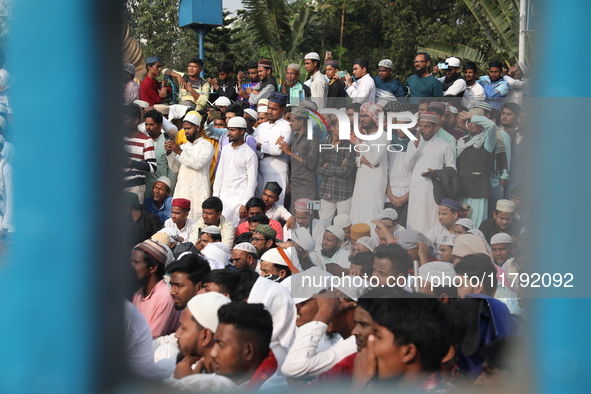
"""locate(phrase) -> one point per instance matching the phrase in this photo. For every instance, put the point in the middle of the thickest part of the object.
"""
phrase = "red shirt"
(275, 225)
(149, 91)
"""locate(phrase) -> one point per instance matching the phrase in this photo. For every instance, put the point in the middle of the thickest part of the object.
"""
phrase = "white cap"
(304, 289)
(163, 109)
(446, 239)
(501, 238)
(453, 61)
(388, 213)
(251, 112)
(165, 180)
(506, 206)
(437, 268)
(177, 111)
(193, 117)
(368, 242)
(262, 108)
(469, 224)
(211, 230)
(222, 101)
(451, 109)
(141, 103)
(302, 237)
(262, 102)
(204, 308)
(173, 233)
(343, 220)
(351, 291)
(219, 253)
(386, 63)
(237, 121)
(247, 247)
(312, 56)
(273, 256)
(337, 231)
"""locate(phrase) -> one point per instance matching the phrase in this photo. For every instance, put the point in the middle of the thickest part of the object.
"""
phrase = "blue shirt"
(393, 87)
(428, 86)
(164, 211)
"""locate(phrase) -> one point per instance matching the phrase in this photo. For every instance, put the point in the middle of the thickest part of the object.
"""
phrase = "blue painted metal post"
(61, 295)
(201, 35)
(560, 240)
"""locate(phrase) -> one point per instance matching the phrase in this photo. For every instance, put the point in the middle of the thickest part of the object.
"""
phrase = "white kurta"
(273, 165)
(236, 179)
(370, 183)
(434, 154)
(192, 166)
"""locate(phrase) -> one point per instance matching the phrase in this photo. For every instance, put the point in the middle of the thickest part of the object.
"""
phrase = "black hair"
(132, 110)
(244, 237)
(479, 265)
(252, 319)
(396, 254)
(197, 61)
(260, 218)
(288, 110)
(420, 320)
(195, 266)
(249, 277)
(495, 63)
(154, 114)
(213, 203)
(495, 354)
(227, 280)
(362, 62)
(152, 262)
(236, 109)
(252, 65)
(354, 106)
(255, 202)
(365, 260)
(215, 237)
(280, 267)
(470, 66)
(513, 107)
(495, 116)
(425, 54)
(226, 65)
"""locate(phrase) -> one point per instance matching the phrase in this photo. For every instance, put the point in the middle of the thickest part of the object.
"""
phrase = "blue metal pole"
(201, 33)
(59, 320)
(559, 174)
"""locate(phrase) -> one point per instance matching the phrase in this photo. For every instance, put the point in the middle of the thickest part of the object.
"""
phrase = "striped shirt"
(140, 149)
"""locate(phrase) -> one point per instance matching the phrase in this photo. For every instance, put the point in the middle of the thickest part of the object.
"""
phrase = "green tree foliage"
(156, 26)
(284, 30)
(395, 29)
(228, 42)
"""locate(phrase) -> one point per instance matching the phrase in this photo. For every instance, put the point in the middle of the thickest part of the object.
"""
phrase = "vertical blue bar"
(48, 298)
(560, 234)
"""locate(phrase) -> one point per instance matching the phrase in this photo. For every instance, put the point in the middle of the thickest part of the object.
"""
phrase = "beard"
(329, 252)
(421, 71)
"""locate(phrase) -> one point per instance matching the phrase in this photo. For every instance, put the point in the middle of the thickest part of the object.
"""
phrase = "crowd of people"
(272, 253)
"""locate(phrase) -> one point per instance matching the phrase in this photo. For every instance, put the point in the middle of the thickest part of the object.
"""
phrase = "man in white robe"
(425, 155)
(236, 178)
(273, 165)
(372, 168)
(191, 161)
(305, 219)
